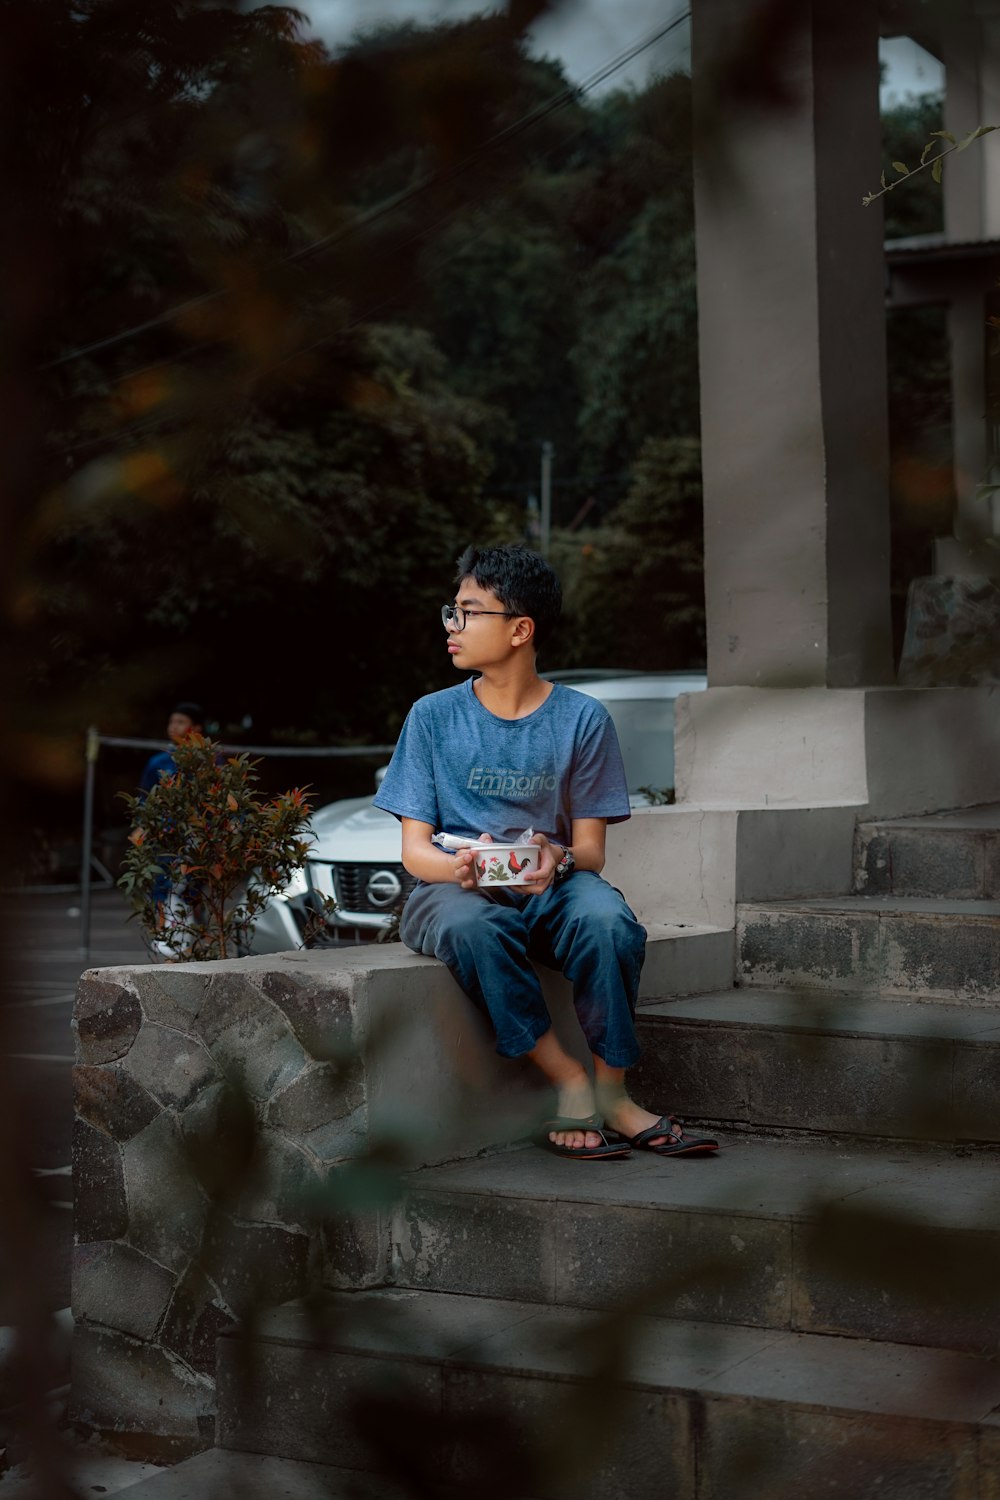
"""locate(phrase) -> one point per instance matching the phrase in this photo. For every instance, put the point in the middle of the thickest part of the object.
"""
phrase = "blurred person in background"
(185, 719)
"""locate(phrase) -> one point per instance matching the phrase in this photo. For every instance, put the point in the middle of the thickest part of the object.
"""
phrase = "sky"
(583, 34)
(586, 34)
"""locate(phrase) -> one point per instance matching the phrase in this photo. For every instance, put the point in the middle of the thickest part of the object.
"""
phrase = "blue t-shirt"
(158, 765)
(464, 771)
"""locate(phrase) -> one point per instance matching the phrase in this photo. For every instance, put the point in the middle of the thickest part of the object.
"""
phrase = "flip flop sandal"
(676, 1144)
(612, 1144)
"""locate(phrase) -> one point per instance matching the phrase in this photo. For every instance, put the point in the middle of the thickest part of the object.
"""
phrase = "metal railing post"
(545, 541)
(93, 749)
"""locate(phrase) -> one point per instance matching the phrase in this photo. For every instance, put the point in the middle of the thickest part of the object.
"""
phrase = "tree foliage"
(907, 127)
(287, 332)
(232, 452)
(927, 161)
(642, 568)
(635, 353)
(568, 297)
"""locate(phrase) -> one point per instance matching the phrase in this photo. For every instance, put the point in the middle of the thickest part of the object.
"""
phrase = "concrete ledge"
(254, 1476)
(771, 747)
(772, 1238)
(675, 864)
(908, 946)
(689, 1411)
(686, 864)
(221, 1111)
(889, 752)
(841, 1064)
(951, 854)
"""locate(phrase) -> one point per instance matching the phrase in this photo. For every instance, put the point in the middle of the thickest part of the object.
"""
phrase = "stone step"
(508, 1398)
(898, 945)
(951, 854)
(897, 1244)
(826, 1063)
(219, 1472)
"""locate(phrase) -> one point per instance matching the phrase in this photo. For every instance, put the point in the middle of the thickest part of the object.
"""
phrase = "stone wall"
(211, 1107)
(240, 1129)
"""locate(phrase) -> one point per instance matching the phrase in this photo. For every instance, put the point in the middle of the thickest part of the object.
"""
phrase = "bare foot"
(625, 1116)
(576, 1102)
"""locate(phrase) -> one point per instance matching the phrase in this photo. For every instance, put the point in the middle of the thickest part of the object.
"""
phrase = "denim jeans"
(581, 926)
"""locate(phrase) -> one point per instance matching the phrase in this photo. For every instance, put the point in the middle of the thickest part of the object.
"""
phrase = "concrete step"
(253, 1476)
(508, 1398)
(898, 945)
(826, 1063)
(951, 854)
(897, 1244)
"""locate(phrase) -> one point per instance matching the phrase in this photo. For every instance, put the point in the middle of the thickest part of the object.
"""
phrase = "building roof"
(924, 249)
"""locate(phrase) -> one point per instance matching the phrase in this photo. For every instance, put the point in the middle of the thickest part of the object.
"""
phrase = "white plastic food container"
(505, 864)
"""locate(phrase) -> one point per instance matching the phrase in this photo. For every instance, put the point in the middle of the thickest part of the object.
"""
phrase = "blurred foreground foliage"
(286, 332)
(263, 485)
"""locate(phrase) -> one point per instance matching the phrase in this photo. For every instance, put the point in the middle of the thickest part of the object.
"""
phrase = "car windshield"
(646, 734)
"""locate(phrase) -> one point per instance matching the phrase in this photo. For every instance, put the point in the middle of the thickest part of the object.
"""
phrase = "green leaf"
(901, 166)
(925, 153)
(936, 169)
(883, 181)
(944, 135)
(974, 135)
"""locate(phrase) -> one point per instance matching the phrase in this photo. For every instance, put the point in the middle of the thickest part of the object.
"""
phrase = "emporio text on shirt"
(506, 783)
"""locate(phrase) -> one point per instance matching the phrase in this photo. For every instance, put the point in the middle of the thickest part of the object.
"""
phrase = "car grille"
(350, 886)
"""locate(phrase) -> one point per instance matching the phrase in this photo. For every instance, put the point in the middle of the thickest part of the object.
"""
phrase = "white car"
(356, 846)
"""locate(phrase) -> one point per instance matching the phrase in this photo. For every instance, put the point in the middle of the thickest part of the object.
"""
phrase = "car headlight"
(297, 886)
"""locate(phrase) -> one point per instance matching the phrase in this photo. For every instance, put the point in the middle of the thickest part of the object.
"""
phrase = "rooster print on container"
(505, 867)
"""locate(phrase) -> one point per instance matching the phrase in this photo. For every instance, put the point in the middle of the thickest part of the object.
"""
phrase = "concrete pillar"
(963, 180)
(990, 96)
(970, 550)
(971, 52)
(971, 48)
(792, 351)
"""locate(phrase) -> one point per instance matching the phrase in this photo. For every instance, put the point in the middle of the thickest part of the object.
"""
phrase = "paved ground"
(43, 963)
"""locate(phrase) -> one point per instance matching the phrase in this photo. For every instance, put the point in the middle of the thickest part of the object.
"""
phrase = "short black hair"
(522, 581)
(193, 711)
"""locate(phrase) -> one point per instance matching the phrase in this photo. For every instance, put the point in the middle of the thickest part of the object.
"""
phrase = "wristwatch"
(564, 866)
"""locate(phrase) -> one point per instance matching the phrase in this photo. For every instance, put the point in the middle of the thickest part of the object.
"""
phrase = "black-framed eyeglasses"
(456, 615)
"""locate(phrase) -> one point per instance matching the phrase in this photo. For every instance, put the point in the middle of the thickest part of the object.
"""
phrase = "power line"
(396, 200)
(154, 424)
(441, 261)
(140, 429)
(517, 127)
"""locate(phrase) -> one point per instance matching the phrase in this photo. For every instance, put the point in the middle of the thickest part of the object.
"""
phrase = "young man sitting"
(501, 752)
